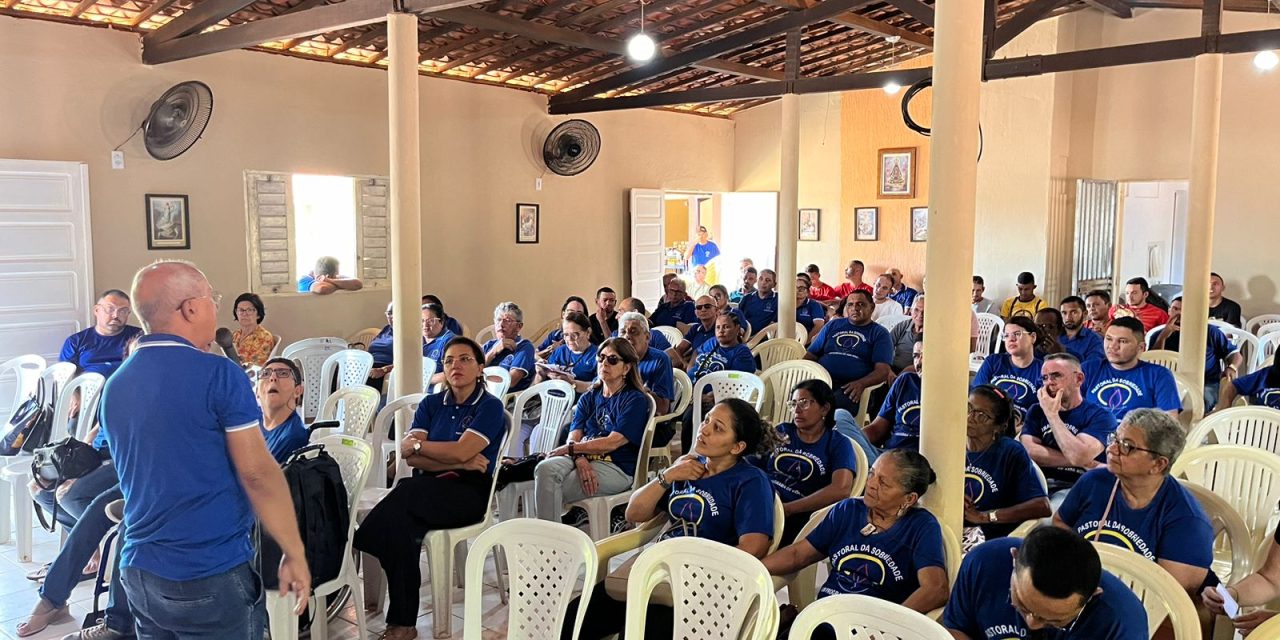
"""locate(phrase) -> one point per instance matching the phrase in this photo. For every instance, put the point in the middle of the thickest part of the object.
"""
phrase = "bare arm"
(594, 446)
(516, 376)
(1264, 585)
(1079, 449)
(347, 284)
(643, 505)
(932, 592)
(1190, 577)
(841, 485)
(1032, 509)
(959, 635)
(453, 453)
(1042, 455)
(791, 558)
(878, 430)
(1226, 395)
(756, 544)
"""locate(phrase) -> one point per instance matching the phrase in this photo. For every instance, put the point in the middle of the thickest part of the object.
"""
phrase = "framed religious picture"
(866, 223)
(527, 218)
(898, 173)
(919, 224)
(168, 222)
(809, 221)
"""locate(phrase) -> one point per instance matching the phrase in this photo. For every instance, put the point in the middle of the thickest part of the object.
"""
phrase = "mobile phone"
(1229, 604)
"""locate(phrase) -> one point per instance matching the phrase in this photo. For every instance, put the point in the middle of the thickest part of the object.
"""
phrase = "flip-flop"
(39, 574)
(38, 622)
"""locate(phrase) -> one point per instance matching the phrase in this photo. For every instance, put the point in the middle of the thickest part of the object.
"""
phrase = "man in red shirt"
(818, 290)
(853, 276)
(1136, 293)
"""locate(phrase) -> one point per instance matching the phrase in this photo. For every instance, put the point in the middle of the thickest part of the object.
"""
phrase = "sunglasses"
(703, 307)
(610, 358)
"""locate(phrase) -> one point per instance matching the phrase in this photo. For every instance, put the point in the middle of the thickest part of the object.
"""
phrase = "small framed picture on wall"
(898, 173)
(809, 224)
(919, 224)
(866, 223)
(168, 222)
(527, 219)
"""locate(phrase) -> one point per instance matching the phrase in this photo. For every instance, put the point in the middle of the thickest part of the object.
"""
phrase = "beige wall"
(74, 93)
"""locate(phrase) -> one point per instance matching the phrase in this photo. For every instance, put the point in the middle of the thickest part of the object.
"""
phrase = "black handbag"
(518, 470)
(54, 464)
(31, 424)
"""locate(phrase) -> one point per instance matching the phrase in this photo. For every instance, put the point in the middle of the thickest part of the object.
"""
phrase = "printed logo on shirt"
(1117, 534)
(848, 340)
(977, 482)
(800, 465)
(862, 566)
(1114, 393)
(687, 510)
(1270, 398)
(909, 413)
(1005, 632)
(1016, 388)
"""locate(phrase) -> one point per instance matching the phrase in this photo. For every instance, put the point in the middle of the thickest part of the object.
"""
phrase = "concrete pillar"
(1206, 110)
(788, 216)
(406, 211)
(953, 184)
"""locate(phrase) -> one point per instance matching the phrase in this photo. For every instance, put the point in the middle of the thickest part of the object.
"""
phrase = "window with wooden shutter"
(374, 246)
(270, 220)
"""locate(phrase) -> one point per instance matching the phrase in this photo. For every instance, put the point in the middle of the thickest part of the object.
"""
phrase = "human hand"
(477, 463)
(295, 578)
(406, 445)
(1048, 402)
(853, 390)
(1213, 600)
(1247, 622)
(508, 344)
(61, 491)
(587, 474)
(686, 467)
(1174, 323)
(562, 450)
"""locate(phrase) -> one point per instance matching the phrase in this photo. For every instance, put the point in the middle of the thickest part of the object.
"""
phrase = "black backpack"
(320, 502)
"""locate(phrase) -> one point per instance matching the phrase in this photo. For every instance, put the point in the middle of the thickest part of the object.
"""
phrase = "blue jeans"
(227, 606)
(64, 573)
(845, 425)
(81, 493)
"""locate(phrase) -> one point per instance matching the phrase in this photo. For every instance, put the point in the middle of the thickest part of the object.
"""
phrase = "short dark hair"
(1215, 274)
(434, 299)
(1060, 563)
(1176, 299)
(1140, 281)
(603, 290)
(751, 270)
(1026, 277)
(813, 268)
(823, 395)
(860, 264)
(579, 319)
(435, 309)
(808, 282)
(1005, 415)
(117, 293)
(1099, 293)
(577, 299)
(979, 280)
(1132, 324)
(862, 292)
(251, 298)
(1071, 300)
(293, 366)
(637, 305)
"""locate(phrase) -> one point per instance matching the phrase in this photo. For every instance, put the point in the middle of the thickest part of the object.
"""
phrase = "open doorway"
(1153, 232)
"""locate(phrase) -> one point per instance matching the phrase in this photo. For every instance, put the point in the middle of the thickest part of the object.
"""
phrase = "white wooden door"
(648, 226)
(46, 264)
(1153, 233)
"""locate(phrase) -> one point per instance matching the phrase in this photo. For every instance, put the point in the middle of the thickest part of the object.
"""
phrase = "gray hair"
(1164, 435)
(156, 302)
(326, 266)
(1066, 358)
(505, 308)
(633, 317)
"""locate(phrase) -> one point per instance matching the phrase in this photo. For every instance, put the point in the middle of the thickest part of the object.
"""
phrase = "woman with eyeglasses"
(279, 392)
(252, 341)
(712, 493)
(1134, 503)
(575, 359)
(1001, 489)
(455, 439)
(572, 304)
(451, 323)
(1016, 370)
(814, 467)
(720, 295)
(382, 348)
(435, 338)
(604, 438)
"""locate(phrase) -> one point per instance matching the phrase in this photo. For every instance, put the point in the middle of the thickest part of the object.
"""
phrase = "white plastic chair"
(353, 407)
(355, 458)
(1163, 357)
(774, 352)
(26, 369)
(683, 387)
(780, 379)
(990, 325)
(497, 381)
(1246, 478)
(545, 560)
(557, 400)
(1232, 542)
(727, 384)
(351, 368)
(1249, 346)
(400, 412)
(672, 334)
(1192, 403)
(428, 370)
(275, 346)
(600, 508)
(1160, 594)
(361, 339)
(866, 616)
(1268, 344)
(861, 467)
(1153, 334)
(892, 320)
(310, 356)
(1256, 324)
(1253, 426)
(719, 591)
(484, 335)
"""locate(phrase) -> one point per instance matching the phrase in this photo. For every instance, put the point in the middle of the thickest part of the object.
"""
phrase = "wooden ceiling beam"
(873, 26)
(583, 16)
(1256, 6)
(81, 8)
(145, 14)
(199, 17)
(466, 57)
(366, 38)
(451, 45)
(301, 6)
(651, 7)
(918, 10)
(1117, 8)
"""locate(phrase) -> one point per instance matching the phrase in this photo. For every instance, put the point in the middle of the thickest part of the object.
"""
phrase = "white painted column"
(1206, 111)
(406, 212)
(788, 216)
(953, 183)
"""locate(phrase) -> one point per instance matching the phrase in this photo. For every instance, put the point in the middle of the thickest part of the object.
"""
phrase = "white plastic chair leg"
(280, 619)
(500, 568)
(23, 511)
(441, 564)
(318, 609)
(357, 594)
(507, 503)
(459, 562)
(598, 522)
(6, 517)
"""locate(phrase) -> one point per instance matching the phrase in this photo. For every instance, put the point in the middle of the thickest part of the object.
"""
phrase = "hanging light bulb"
(1266, 60)
(640, 47)
(892, 87)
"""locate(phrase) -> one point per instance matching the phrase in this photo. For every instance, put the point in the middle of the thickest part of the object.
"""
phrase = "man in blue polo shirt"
(1221, 359)
(1123, 382)
(1051, 582)
(1080, 342)
(100, 348)
(675, 308)
(507, 349)
(655, 366)
(184, 429)
(761, 308)
(1064, 434)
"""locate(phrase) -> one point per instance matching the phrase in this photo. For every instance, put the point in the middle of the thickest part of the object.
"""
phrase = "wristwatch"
(417, 446)
(991, 515)
(662, 479)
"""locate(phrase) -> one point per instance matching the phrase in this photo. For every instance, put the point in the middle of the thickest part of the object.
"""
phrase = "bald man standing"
(183, 428)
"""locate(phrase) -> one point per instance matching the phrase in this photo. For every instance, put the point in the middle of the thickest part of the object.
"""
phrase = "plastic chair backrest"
(672, 334)
(1232, 541)
(275, 346)
(1247, 478)
(310, 356)
(892, 320)
(1153, 334)
(1268, 344)
(497, 381)
(761, 335)
(1160, 594)
(352, 367)
(1192, 403)
(26, 370)
(780, 379)
(1268, 629)
(774, 352)
(537, 336)
(990, 325)
(485, 334)
(309, 343)
(383, 425)
(861, 467)
(1256, 324)
(719, 591)
(1253, 426)
(56, 378)
(355, 458)
(361, 339)
(544, 561)
(557, 400)
(641, 476)
(1163, 357)
(855, 616)
(727, 384)
(428, 370)
(354, 408)
(1249, 346)
(90, 386)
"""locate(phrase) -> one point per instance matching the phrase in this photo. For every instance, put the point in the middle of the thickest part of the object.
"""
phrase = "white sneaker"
(99, 631)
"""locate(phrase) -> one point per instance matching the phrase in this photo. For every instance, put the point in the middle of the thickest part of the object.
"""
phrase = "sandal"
(39, 621)
(39, 574)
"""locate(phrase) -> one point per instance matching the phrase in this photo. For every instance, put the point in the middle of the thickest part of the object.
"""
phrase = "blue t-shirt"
(698, 334)
(382, 348)
(167, 412)
(1171, 527)
(583, 365)
(703, 253)
(1147, 385)
(760, 312)
(881, 565)
(798, 468)
(445, 421)
(656, 339)
(1000, 477)
(809, 311)
(902, 409)
(849, 351)
(626, 412)
(1086, 346)
(93, 352)
(1216, 349)
(556, 335)
(286, 438)
(305, 282)
(453, 326)
(905, 297)
(522, 357)
(1255, 386)
(980, 606)
(723, 507)
(435, 349)
(1019, 383)
(667, 314)
(655, 371)
(1087, 418)
(713, 357)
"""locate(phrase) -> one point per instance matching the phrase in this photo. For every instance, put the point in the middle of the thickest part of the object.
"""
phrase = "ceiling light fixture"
(892, 87)
(641, 48)
(1266, 60)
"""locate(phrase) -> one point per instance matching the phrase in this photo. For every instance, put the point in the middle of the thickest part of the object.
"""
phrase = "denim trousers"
(64, 573)
(227, 606)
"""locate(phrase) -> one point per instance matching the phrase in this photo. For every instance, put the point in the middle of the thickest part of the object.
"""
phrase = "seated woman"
(604, 439)
(898, 424)
(435, 337)
(1254, 592)
(1146, 510)
(451, 323)
(1262, 387)
(704, 309)
(252, 342)
(880, 545)
(1016, 370)
(507, 349)
(809, 312)
(715, 473)
(279, 393)
(382, 348)
(720, 295)
(556, 337)
(454, 441)
(855, 350)
(1001, 489)
(815, 465)
(575, 360)
(725, 353)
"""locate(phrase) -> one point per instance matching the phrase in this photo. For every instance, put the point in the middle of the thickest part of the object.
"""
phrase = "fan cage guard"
(178, 119)
(571, 147)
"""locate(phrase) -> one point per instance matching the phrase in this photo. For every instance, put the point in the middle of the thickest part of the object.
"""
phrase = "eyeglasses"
(1064, 624)
(801, 404)
(278, 373)
(979, 413)
(1016, 335)
(608, 357)
(703, 307)
(239, 310)
(114, 311)
(1124, 447)
(450, 361)
(213, 296)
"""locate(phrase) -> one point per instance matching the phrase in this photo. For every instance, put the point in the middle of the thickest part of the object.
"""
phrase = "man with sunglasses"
(701, 331)
(279, 392)
(100, 348)
(1056, 590)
